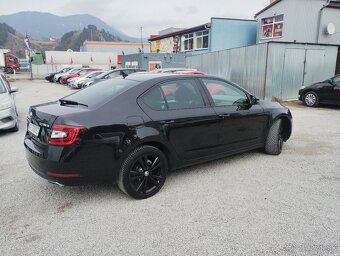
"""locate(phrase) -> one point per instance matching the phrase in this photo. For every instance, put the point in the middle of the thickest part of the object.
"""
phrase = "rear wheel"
(311, 99)
(143, 172)
(274, 141)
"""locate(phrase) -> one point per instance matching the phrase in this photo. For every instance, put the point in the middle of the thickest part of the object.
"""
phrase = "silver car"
(8, 110)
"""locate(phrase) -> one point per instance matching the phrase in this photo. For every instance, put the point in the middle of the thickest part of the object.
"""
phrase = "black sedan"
(134, 130)
(50, 77)
(325, 92)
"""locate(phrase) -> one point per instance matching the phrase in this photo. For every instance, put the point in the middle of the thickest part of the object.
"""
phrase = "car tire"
(311, 99)
(59, 80)
(274, 141)
(9, 70)
(143, 172)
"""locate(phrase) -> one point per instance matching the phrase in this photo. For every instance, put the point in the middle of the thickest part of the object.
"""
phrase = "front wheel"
(274, 141)
(9, 70)
(311, 99)
(143, 172)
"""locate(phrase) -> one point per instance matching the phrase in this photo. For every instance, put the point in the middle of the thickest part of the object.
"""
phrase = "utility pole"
(141, 38)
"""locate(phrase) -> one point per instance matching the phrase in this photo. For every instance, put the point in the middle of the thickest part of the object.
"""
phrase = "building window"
(272, 27)
(196, 41)
(189, 42)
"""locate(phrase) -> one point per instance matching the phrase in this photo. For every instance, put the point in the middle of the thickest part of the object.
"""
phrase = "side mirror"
(14, 89)
(252, 99)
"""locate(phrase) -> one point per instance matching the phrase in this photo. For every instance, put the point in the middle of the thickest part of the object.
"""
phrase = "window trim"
(272, 25)
(195, 37)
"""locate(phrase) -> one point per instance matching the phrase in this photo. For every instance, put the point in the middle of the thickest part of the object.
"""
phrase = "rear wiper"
(71, 102)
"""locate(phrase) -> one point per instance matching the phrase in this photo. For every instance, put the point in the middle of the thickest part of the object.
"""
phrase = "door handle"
(167, 122)
(224, 115)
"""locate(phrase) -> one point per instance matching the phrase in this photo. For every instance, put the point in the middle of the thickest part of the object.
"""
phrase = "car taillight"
(65, 135)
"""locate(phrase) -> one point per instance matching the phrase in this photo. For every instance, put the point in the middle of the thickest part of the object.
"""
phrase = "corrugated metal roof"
(184, 31)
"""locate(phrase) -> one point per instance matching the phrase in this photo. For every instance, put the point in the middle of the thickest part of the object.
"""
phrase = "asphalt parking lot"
(249, 204)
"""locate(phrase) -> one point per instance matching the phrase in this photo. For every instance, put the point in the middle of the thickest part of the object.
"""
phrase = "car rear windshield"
(100, 93)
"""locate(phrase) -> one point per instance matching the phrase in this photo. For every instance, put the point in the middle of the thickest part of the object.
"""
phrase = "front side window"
(272, 27)
(225, 94)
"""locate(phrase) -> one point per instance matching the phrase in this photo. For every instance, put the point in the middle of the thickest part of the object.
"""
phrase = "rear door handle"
(224, 115)
(167, 122)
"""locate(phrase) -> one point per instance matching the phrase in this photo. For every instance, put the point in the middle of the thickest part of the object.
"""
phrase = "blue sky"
(128, 16)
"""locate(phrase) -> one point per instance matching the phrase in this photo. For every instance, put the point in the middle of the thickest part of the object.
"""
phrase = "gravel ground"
(249, 204)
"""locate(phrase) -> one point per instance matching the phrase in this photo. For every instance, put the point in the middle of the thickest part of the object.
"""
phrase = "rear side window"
(101, 92)
(178, 94)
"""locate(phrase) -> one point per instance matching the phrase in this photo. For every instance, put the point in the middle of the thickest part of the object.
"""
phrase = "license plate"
(34, 129)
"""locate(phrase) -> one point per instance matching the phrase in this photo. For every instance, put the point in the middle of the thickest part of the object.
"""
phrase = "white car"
(74, 82)
(58, 77)
(8, 110)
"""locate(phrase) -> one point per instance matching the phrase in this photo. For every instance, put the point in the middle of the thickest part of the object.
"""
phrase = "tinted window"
(182, 94)
(225, 94)
(154, 99)
(101, 92)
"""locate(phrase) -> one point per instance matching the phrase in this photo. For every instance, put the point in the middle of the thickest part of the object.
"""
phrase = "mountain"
(40, 25)
(74, 39)
(13, 40)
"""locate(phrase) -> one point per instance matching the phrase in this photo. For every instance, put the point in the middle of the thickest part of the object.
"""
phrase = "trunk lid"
(42, 117)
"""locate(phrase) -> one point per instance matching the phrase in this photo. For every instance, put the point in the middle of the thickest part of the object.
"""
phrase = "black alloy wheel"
(143, 172)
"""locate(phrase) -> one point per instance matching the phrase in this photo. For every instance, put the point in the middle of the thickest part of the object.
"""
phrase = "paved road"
(250, 204)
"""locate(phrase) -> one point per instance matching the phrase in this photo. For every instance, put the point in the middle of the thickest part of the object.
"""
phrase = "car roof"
(145, 76)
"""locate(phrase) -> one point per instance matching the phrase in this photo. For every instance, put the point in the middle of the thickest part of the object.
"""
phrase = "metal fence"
(271, 69)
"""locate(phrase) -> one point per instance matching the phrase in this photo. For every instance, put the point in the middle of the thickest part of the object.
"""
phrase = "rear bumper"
(69, 166)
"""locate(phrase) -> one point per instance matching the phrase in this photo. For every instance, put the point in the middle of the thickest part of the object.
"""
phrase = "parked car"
(50, 76)
(75, 82)
(112, 74)
(57, 77)
(325, 92)
(8, 110)
(127, 131)
(64, 79)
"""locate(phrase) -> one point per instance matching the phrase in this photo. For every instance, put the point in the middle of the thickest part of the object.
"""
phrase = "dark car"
(111, 74)
(132, 132)
(50, 77)
(325, 92)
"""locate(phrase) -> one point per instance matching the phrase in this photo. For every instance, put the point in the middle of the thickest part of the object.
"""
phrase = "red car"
(81, 72)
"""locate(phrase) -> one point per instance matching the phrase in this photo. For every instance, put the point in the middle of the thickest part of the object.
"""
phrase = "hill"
(41, 25)
(74, 39)
(11, 39)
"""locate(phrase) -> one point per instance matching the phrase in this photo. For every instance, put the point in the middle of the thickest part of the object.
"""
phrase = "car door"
(179, 108)
(242, 125)
(336, 90)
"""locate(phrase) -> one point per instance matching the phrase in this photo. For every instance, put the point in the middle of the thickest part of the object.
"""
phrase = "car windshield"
(2, 87)
(100, 93)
